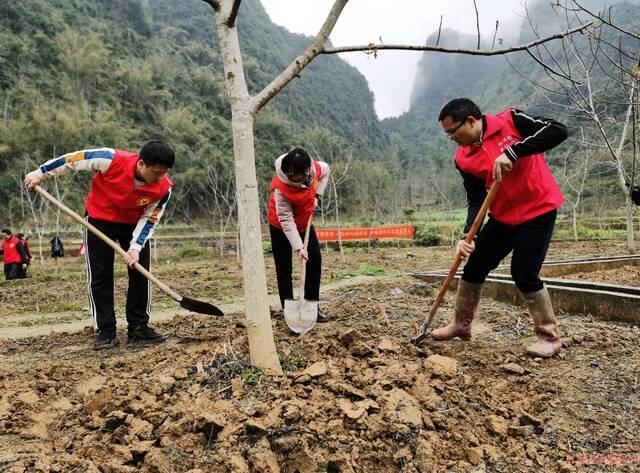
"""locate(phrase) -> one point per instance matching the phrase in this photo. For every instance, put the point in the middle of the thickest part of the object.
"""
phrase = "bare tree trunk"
(238, 242)
(5, 113)
(260, 333)
(629, 205)
(221, 239)
(339, 227)
(10, 215)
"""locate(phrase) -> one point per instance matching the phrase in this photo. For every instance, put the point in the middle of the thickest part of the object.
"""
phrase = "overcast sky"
(391, 75)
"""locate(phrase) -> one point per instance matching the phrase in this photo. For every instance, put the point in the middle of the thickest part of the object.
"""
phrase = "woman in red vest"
(13, 256)
(296, 189)
(128, 195)
(507, 147)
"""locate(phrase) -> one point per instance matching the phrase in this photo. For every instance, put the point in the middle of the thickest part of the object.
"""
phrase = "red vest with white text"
(302, 200)
(528, 190)
(10, 248)
(112, 196)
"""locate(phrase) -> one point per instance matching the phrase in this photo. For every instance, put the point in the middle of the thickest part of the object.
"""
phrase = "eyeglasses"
(451, 131)
(296, 174)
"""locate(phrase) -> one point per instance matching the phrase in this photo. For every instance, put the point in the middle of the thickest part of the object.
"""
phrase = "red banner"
(365, 233)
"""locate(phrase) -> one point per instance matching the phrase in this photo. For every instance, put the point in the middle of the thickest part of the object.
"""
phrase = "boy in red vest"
(295, 191)
(13, 256)
(128, 195)
(507, 147)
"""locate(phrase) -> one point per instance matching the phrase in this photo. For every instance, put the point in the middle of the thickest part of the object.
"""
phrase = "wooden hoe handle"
(422, 333)
(117, 248)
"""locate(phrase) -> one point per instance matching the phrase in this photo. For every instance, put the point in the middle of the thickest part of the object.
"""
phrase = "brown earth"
(624, 275)
(355, 394)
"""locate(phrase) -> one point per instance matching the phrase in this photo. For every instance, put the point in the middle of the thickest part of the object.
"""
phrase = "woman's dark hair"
(157, 152)
(459, 110)
(296, 161)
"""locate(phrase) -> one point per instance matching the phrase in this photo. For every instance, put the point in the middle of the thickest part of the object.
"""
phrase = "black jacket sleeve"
(476, 193)
(539, 135)
(23, 254)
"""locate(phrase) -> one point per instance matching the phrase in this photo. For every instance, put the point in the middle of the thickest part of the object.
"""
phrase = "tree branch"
(231, 21)
(541, 63)
(296, 67)
(215, 4)
(477, 21)
(439, 31)
(472, 52)
(495, 33)
(607, 22)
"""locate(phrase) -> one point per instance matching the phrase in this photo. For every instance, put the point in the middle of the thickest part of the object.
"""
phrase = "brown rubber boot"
(545, 326)
(467, 300)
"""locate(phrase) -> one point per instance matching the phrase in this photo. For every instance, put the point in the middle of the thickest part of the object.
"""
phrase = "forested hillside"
(87, 73)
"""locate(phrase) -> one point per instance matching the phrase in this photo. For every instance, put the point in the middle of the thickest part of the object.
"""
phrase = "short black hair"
(296, 161)
(20, 235)
(157, 152)
(6, 231)
(459, 110)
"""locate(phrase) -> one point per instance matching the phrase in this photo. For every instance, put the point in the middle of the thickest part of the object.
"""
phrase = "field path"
(33, 325)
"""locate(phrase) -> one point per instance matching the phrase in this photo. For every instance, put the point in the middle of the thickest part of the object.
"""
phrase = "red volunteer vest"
(10, 247)
(301, 199)
(112, 196)
(528, 190)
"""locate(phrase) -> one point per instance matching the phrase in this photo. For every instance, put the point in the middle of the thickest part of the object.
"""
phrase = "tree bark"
(259, 331)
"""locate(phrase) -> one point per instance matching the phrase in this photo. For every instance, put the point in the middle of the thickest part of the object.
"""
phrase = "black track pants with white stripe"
(99, 264)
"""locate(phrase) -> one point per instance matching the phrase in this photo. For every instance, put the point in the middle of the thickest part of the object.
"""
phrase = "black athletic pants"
(529, 242)
(99, 264)
(282, 254)
(14, 271)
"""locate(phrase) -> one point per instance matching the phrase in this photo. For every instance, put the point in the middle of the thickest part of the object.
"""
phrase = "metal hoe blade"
(201, 307)
(301, 315)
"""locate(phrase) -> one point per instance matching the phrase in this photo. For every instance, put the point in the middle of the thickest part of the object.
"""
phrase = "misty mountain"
(494, 83)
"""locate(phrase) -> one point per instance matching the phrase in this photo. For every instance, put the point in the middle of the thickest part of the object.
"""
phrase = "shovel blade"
(301, 315)
(201, 307)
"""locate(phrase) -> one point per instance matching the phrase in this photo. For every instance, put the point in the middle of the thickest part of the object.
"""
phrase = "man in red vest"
(128, 195)
(13, 256)
(295, 190)
(507, 147)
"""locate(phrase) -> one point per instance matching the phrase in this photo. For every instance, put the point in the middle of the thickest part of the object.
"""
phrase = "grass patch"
(252, 376)
(294, 362)
(188, 250)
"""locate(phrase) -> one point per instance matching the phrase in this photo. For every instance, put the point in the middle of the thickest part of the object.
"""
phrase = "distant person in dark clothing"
(25, 244)
(57, 248)
(635, 194)
(507, 147)
(13, 255)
